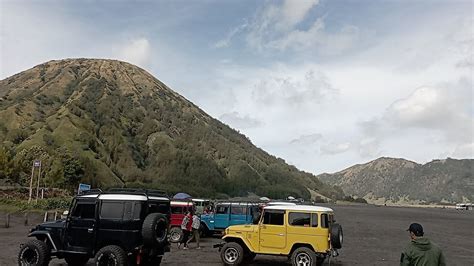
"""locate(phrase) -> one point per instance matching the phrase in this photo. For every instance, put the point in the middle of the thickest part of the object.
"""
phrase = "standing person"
(421, 251)
(195, 234)
(186, 226)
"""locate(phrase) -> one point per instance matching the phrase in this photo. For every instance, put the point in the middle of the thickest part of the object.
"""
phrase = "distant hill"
(400, 180)
(110, 123)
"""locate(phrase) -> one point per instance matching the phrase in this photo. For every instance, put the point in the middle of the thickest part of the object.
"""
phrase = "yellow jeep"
(306, 234)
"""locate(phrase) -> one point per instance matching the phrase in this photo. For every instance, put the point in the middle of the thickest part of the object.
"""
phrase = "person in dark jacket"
(421, 251)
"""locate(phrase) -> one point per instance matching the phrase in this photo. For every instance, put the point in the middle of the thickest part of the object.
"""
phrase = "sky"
(322, 84)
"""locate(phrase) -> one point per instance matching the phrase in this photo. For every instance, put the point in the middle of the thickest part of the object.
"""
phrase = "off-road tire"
(76, 260)
(111, 255)
(304, 256)
(176, 235)
(34, 253)
(232, 253)
(336, 235)
(155, 230)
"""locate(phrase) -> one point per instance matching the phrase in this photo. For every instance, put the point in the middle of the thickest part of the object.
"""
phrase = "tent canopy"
(182, 195)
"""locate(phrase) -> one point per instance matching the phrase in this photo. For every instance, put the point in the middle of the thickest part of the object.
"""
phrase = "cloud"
(442, 113)
(238, 121)
(464, 150)
(137, 51)
(466, 63)
(296, 92)
(282, 27)
(445, 107)
(228, 39)
(317, 37)
(335, 148)
(293, 12)
(368, 147)
(306, 140)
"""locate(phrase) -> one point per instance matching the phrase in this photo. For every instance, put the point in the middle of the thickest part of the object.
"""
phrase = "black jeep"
(117, 227)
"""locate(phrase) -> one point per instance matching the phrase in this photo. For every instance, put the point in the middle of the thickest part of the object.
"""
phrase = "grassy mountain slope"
(447, 180)
(110, 123)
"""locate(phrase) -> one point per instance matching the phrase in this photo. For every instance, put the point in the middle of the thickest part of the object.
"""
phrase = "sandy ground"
(372, 236)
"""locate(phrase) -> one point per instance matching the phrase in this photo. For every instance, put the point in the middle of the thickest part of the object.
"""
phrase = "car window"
(299, 219)
(222, 209)
(128, 211)
(324, 220)
(238, 210)
(84, 211)
(274, 218)
(112, 210)
(253, 210)
(158, 207)
(137, 208)
(177, 210)
(314, 220)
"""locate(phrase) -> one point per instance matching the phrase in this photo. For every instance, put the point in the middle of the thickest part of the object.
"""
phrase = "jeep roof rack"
(91, 191)
(147, 192)
(239, 201)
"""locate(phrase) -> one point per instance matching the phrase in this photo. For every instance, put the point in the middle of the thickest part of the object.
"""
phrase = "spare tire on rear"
(336, 235)
(155, 229)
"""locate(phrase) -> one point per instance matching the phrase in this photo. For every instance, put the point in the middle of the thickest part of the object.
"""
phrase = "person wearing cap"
(421, 251)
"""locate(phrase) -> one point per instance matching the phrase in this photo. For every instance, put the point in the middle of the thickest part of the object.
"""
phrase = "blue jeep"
(228, 213)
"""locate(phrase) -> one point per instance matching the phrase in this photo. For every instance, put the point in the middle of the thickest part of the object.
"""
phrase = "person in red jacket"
(187, 227)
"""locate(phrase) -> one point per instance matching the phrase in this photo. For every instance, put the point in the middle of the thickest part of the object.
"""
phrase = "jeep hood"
(242, 228)
(51, 225)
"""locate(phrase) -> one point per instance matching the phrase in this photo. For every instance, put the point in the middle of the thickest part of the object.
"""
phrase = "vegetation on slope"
(109, 123)
(448, 180)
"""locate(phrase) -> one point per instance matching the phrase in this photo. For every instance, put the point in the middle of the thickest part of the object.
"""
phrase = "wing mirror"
(65, 214)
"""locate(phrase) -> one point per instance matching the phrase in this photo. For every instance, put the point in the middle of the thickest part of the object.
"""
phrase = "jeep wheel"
(155, 229)
(76, 260)
(232, 253)
(34, 253)
(303, 257)
(336, 235)
(176, 235)
(111, 256)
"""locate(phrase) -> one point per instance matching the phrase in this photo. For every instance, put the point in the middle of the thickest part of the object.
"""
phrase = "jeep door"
(325, 221)
(222, 216)
(238, 214)
(303, 228)
(119, 223)
(81, 225)
(272, 232)
(177, 215)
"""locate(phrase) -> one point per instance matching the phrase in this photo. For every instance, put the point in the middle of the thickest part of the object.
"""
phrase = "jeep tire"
(336, 235)
(232, 253)
(34, 253)
(155, 229)
(111, 255)
(304, 256)
(76, 260)
(176, 235)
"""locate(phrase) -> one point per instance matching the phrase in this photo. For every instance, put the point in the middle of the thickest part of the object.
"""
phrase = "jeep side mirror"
(65, 214)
